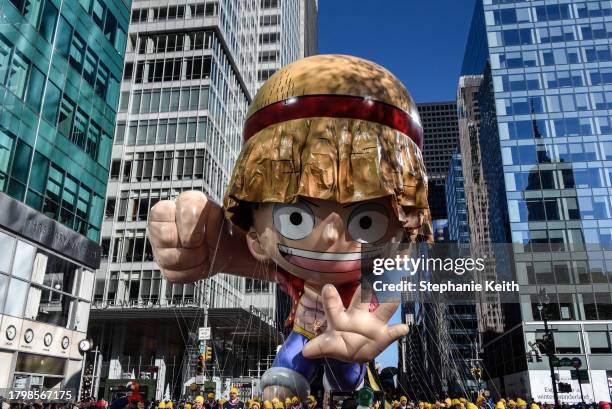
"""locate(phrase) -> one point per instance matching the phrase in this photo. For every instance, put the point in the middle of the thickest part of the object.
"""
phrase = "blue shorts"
(340, 375)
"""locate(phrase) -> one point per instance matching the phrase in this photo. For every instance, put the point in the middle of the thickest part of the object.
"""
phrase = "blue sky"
(421, 41)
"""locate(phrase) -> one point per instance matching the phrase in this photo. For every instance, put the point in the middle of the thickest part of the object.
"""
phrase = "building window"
(17, 74)
(47, 22)
(128, 71)
(36, 85)
(139, 15)
(79, 129)
(64, 37)
(599, 342)
(50, 299)
(263, 75)
(30, 9)
(109, 212)
(517, 37)
(23, 260)
(176, 12)
(115, 167)
(269, 38)
(110, 28)
(5, 56)
(268, 56)
(97, 12)
(269, 20)
(89, 67)
(567, 342)
(77, 51)
(269, 4)
(19, 291)
(66, 116)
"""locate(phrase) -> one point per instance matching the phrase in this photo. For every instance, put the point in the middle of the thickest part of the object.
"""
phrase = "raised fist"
(184, 235)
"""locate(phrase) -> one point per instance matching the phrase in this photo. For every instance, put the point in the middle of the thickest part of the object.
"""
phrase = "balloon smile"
(324, 262)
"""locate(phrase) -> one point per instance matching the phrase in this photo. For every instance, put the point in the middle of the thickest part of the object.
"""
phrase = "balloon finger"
(397, 331)
(333, 307)
(385, 311)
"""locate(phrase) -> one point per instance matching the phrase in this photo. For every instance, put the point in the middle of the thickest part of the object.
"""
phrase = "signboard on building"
(35, 226)
(594, 389)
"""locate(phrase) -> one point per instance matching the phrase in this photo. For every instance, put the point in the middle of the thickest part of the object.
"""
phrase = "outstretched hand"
(354, 334)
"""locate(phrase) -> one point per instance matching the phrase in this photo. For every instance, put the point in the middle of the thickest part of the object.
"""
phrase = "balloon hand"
(355, 334)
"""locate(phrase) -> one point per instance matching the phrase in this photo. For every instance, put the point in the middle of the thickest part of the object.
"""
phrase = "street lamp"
(549, 343)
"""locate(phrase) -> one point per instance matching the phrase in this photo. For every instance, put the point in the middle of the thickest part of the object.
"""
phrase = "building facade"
(456, 208)
(287, 32)
(426, 359)
(476, 195)
(545, 135)
(191, 70)
(440, 141)
(60, 68)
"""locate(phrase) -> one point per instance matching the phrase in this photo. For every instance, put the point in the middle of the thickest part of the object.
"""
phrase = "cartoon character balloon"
(330, 173)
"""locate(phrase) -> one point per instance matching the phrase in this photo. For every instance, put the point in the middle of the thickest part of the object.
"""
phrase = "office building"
(191, 70)
(287, 32)
(545, 139)
(458, 231)
(440, 141)
(308, 27)
(475, 186)
(441, 350)
(426, 349)
(461, 317)
(60, 68)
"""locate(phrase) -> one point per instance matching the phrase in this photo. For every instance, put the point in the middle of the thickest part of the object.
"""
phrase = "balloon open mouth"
(325, 262)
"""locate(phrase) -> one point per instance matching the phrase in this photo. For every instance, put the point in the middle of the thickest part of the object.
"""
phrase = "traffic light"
(209, 352)
(547, 344)
(565, 387)
(200, 365)
(476, 372)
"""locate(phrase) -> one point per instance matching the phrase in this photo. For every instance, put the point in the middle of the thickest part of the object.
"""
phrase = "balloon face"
(321, 241)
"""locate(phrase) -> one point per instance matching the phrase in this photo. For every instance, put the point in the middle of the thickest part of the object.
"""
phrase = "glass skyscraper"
(458, 231)
(61, 63)
(546, 143)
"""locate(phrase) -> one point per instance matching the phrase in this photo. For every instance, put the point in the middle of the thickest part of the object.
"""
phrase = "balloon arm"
(191, 240)
(230, 254)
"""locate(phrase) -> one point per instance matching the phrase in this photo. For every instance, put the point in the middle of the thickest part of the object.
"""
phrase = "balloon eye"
(293, 221)
(295, 218)
(368, 223)
(365, 222)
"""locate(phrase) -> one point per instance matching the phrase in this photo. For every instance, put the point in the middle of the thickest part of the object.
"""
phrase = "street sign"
(209, 387)
(566, 362)
(203, 333)
(581, 374)
(564, 387)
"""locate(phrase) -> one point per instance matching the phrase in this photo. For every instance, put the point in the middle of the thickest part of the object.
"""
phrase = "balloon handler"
(330, 174)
